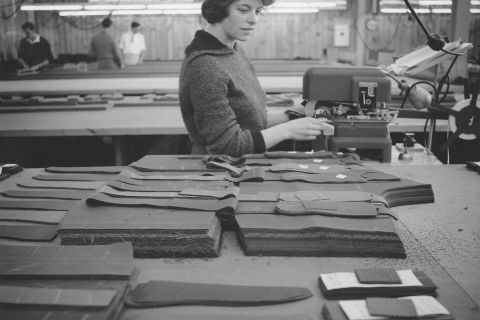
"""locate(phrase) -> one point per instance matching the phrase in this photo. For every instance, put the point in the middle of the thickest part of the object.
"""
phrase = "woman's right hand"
(306, 128)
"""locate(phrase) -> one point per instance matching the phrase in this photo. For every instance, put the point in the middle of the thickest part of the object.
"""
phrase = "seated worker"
(34, 52)
(132, 45)
(103, 46)
(223, 105)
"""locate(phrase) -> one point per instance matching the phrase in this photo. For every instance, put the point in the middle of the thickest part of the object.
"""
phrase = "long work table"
(440, 238)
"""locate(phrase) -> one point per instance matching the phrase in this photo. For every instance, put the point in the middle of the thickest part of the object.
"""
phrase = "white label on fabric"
(340, 280)
(340, 176)
(303, 166)
(339, 153)
(324, 168)
(309, 152)
(317, 160)
(291, 151)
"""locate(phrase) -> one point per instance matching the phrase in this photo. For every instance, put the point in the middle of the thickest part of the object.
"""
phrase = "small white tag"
(340, 176)
(303, 166)
(308, 152)
(339, 153)
(317, 160)
(291, 151)
(323, 168)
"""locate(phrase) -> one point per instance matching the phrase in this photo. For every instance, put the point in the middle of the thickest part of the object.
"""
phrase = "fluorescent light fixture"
(81, 13)
(135, 12)
(441, 10)
(292, 10)
(51, 7)
(403, 10)
(475, 10)
(475, 2)
(435, 2)
(174, 6)
(114, 7)
(183, 11)
(329, 4)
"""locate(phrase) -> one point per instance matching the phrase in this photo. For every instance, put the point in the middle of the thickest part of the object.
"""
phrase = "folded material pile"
(375, 282)
(162, 218)
(64, 282)
(412, 307)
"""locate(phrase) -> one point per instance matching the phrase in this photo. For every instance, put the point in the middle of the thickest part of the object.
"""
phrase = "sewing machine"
(353, 99)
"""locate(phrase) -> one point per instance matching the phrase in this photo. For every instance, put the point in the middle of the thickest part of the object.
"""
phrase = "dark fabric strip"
(28, 296)
(93, 170)
(28, 231)
(73, 185)
(229, 204)
(167, 293)
(47, 194)
(33, 216)
(258, 141)
(74, 177)
(56, 205)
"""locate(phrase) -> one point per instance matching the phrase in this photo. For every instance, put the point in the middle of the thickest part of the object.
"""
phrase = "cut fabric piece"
(219, 194)
(93, 170)
(67, 262)
(318, 235)
(340, 209)
(345, 285)
(55, 205)
(341, 196)
(320, 207)
(169, 293)
(395, 193)
(33, 216)
(74, 177)
(227, 205)
(324, 178)
(165, 186)
(390, 307)
(74, 185)
(28, 296)
(169, 163)
(154, 232)
(193, 177)
(28, 231)
(377, 276)
(47, 194)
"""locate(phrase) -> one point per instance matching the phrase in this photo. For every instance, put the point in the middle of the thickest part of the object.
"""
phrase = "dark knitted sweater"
(222, 102)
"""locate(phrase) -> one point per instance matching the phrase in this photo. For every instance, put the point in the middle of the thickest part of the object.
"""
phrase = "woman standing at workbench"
(223, 105)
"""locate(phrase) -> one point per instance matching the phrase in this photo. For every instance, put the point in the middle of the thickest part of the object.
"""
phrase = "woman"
(222, 102)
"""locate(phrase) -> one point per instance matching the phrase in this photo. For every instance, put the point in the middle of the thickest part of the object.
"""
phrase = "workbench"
(440, 238)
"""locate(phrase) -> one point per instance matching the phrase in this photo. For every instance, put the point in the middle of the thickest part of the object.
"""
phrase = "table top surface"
(440, 238)
(161, 120)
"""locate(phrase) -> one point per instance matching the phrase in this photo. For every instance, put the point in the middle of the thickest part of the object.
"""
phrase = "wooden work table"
(440, 238)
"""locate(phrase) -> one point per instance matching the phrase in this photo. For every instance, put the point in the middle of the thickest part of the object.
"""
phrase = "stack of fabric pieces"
(34, 210)
(58, 282)
(412, 307)
(375, 282)
(167, 216)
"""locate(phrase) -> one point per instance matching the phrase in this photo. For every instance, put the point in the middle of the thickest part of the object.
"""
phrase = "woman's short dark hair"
(215, 11)
(106, 23)
(28, 26)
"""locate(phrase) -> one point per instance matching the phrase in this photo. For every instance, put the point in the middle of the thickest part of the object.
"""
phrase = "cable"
(14, 12)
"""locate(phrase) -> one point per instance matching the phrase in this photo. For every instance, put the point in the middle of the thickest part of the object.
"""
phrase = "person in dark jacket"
(223, 105)
(105, 49)
(34, 52)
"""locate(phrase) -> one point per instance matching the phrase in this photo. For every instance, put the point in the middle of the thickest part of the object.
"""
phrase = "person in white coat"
(132, 45)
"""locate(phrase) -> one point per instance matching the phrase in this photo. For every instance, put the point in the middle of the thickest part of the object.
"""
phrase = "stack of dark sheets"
(161, 217)
(33, 210)
(58, 282)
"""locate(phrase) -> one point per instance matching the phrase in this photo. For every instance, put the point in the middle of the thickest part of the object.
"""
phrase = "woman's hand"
(305, 128)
